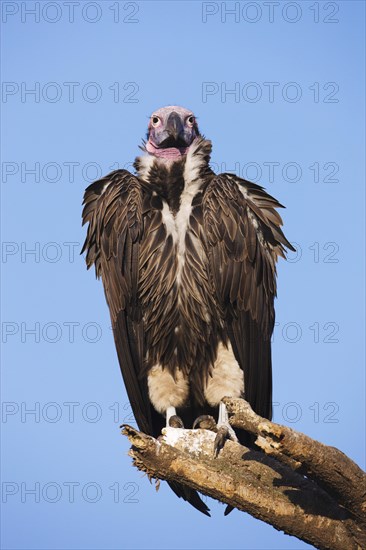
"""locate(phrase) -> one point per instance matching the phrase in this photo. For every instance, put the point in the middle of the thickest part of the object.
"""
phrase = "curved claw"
(205, 422)
(175, 421)
(228, 509)
(224, 432)
(221, 437)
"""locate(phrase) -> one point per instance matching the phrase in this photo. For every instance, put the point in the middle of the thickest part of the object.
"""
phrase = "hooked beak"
(174, 126)
(173, 133)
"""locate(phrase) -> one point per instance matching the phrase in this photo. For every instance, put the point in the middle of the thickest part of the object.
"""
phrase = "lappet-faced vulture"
(188, 263)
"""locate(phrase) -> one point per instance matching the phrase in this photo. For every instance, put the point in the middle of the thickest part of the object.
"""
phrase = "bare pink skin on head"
(162, 122)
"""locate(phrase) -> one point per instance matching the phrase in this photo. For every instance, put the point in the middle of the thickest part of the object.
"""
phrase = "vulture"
(188, 263)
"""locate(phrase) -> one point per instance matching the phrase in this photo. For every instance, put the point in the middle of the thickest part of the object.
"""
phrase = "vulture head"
(171, 131)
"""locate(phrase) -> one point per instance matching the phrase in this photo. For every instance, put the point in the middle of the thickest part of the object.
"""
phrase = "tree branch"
(321, 509)
(327, 466)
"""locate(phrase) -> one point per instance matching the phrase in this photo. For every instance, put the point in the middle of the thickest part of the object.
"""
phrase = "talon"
(175, 421)
(172, 419)
(224, 431)
(205, 422)
(228, 509)
(221, 437)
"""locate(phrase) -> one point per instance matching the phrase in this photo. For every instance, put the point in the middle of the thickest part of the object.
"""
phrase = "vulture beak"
(173, 134)
(174, 126)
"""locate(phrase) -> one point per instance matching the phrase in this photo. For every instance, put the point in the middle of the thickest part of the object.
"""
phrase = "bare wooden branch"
(328, 466)
(270, 488)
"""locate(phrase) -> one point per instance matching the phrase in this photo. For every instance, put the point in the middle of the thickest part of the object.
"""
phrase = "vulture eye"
(155, 120)
(190, 120)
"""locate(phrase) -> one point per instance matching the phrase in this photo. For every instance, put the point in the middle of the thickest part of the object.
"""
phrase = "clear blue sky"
(294, 122)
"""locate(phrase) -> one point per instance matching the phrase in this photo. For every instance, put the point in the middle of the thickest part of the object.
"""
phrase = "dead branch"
(328, 466)
(303, 488)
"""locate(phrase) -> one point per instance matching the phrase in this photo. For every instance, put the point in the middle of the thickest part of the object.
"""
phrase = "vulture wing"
(125, 230)
(244, 238)
(113, 208)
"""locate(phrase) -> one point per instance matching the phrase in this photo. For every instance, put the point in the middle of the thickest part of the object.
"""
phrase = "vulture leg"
(172, 419)
(224, 430)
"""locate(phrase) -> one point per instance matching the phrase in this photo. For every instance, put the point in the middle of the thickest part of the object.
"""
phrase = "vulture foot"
(175, 421)
(224, 430)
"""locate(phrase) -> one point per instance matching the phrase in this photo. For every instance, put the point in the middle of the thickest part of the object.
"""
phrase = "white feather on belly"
(165, 391)
(227, 377)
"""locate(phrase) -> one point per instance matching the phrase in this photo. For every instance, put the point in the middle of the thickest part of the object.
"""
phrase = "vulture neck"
(170, 178)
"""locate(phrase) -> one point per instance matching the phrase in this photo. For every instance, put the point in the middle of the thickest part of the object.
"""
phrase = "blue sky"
(279, 89)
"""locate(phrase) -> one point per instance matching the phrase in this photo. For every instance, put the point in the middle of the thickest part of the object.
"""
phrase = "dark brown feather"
(240, 216)
(227, 281)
